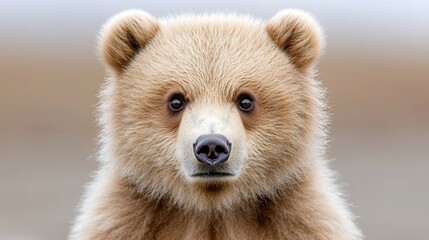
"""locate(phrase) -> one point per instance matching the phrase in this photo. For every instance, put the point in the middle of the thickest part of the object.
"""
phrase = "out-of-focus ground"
(376, 69)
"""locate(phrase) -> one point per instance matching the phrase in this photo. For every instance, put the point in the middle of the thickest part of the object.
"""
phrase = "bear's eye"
(176, 103)
(245, 103)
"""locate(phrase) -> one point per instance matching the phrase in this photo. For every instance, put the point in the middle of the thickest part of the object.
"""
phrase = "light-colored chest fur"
(121, 213)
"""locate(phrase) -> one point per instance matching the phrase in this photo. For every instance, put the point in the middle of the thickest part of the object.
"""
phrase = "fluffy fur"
(282, 187)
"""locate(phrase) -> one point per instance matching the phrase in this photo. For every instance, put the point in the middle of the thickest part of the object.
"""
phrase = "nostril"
(220, 149)
(204, 149)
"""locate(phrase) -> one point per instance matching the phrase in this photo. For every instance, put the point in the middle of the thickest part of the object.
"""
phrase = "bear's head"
(209, 112)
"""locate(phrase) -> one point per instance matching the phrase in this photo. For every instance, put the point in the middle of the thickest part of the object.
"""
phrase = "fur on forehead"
(205, 56)
(215, 36)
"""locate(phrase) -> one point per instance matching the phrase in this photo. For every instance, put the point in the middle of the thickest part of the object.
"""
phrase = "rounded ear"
(124, 35)
(299, 35)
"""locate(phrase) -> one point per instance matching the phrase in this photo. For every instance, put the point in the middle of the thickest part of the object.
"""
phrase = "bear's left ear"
(124, 35)
(299, 35)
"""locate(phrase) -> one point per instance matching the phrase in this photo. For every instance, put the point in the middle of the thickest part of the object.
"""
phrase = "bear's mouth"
(213, 174)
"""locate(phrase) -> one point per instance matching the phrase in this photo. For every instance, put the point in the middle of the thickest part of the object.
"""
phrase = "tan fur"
(125, 35)
(298, 34)
(282, 187)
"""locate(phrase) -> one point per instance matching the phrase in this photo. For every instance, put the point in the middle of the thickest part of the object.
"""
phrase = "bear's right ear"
(124, 35)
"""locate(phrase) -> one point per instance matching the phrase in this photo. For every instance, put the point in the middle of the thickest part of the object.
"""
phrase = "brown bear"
(213, 127)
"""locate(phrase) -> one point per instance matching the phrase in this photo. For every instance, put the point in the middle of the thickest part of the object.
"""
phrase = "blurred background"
(376, 69)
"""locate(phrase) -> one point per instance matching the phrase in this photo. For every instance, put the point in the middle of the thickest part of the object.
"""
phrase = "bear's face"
(209, 111)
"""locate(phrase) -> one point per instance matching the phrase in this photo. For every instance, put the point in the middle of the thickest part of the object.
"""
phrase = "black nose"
(212, 149)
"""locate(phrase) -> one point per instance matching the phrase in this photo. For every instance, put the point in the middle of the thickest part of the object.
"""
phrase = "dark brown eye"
(176, 103)
(245, 103)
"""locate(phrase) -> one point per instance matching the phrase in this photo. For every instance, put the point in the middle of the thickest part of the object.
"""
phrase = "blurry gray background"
(375, 68)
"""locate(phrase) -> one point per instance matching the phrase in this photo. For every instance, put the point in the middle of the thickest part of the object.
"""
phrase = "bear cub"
(212, 127)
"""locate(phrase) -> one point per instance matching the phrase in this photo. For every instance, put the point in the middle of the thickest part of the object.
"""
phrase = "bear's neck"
(293, 212)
